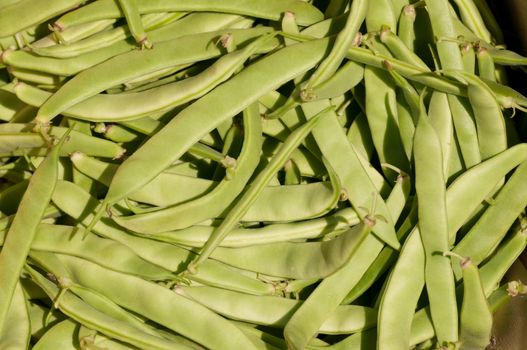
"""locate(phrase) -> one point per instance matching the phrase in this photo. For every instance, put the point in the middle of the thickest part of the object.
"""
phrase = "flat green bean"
(131, 295)
(196, 236)
(492, 226)
(24, 225)
(433, 228)
(133, 64)
(18, 141)
(401, 294)
(275, 311)
(83, 313)
(475, 323)
(294, 260)
(272, 9)
(67, 240)
(331, 140)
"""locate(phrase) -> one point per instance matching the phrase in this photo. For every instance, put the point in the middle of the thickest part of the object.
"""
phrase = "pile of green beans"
(257, 174)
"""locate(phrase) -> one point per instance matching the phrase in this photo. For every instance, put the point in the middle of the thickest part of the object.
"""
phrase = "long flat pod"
(400, 295)
(78, 310)
(197, 235)
(24, 226)
(352, 174)
(294, 260)
(476, 316)
(19, 140)
(305, 13)
(69, 240)
(201, 325)
(492, 226)
(433, 226)
(274, 311)
(119, 69)
(254, 189)
(490, 124)
(195, 121)
(73, 65)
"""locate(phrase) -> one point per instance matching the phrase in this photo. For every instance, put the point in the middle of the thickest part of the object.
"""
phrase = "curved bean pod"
(475, 317)
(490, 124)
(344, 79)
(213, 203)
(465, 129)
(441, 120)
(272, 9)
(401, 294)
(183, 188)
(444, 29)
(24, 226)
(506, 254)
(476, 184)
(490, 229)
(73, 65)
(136, 63)
(343, 41)
(130, 295)
(294, 260)
(398, 48)
(275, 311)
(104, 38)
(433, 227)
(196, 236)
(68, 240)
(108, 307)
(331, 140)
(17, 141)
(83, 313)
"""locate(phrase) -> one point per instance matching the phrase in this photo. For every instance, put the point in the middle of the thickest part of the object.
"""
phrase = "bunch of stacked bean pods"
(257, 174)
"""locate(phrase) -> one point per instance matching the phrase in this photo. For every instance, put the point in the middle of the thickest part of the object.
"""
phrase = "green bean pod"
(275, 311)
(83, 313)
(24, 226)
(492, 226)
(306, 13)
(400, 295)
(475, 317)
(433, 228)
(293, 260)
(131, 295)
